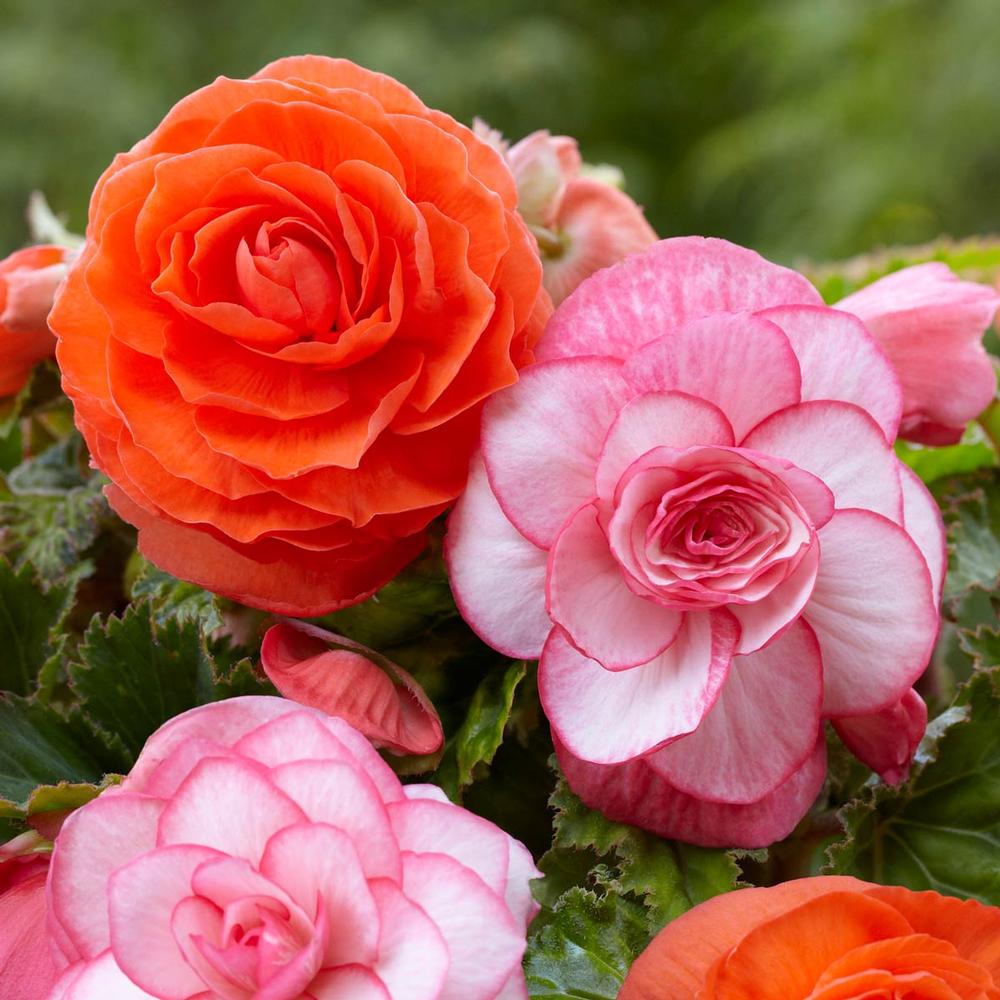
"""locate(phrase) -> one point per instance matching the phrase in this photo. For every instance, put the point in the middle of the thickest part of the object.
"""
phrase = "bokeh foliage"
(796, 127)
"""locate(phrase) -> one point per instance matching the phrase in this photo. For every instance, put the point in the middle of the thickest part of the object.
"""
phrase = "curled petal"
(342, 678)
(886, 741)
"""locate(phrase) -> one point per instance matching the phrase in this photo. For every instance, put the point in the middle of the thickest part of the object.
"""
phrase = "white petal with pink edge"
(739, 362)
(142, 897)
(317, 865)
(634, 793)
(654, 293)
(461, 906)
(521, 871)
(349, 982)
(542, 437)
(930, 324)
(413, 957)
(922, 520)
(312, 735)
(99, 979)
(873, 611)
(229, 805)
(840, 359)
(224, 722)
(588, 597)
(496, 574)
(652, 420)
(840, 444)
(93, 842)
(761, 621)
(609, 717)
(434, 827)
(767, 713)
(344, 796)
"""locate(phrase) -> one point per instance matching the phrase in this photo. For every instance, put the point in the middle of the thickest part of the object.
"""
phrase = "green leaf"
(412, 604)
(668, 876)
(173, 598)
(585, 950)
(40, 747)
(48, 805)
(932, 464)
(29, 624)
(480, 735)
(971, 509)
(54, 472)
(941, 829)
(133, 675)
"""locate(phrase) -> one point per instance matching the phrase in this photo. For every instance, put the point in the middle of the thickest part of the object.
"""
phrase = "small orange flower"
(294, 297)
(831, 938)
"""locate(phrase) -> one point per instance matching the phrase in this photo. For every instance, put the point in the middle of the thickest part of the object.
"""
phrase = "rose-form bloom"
(832, 938)
(28, 282)
(263, 850)
(931, 325)
(581, 223)
(27, 970)
(692, 513)
(295, 294)
(343, 678)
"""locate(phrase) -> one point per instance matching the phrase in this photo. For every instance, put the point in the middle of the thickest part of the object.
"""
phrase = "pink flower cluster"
(262, 850)
(691, 511)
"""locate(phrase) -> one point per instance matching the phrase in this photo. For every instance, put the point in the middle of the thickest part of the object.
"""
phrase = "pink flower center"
(706, 527)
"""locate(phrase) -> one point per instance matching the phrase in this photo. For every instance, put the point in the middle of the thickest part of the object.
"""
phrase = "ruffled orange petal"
(677, 962)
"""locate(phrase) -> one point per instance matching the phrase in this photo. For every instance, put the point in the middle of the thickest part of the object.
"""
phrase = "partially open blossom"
(295, 294)
(28, 282)
(582, 223)
(343, 678)
(832, 938)
(261, 849)
(691, 511)
(931, 325)
(27, 969)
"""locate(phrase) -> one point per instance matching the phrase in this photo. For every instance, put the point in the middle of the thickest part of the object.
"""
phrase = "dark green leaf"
(585, 950)
(409, 606)
(132, 676)
(971, 509)
(941, 829)
(40, 747)
(29, 623)
(479, 736)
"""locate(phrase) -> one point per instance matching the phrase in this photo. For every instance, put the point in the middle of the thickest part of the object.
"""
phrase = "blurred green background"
(815, 128)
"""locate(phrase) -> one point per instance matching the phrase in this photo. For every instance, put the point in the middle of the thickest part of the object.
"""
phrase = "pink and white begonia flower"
(690, 510)
(931, 325)
(264, 850)
(582, 223)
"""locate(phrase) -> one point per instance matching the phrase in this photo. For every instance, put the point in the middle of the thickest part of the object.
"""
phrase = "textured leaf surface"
(670, 877)
(39, 747)
(29, 622)
(586, 949)
(941, 829)
(132, 675)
